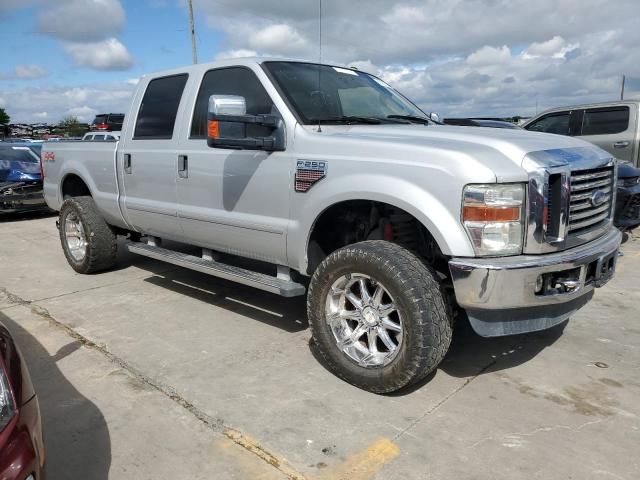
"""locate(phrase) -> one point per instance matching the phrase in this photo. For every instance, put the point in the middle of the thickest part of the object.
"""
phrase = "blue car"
(20, 177)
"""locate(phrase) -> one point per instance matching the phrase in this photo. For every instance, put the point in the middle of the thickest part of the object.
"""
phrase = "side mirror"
(435, 117)
(228, 122)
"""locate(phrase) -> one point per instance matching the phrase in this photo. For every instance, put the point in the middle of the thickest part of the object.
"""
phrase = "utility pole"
(622, 90)
(193, 33)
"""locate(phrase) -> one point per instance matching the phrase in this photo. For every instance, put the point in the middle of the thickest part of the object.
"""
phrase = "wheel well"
(74, 186)
(354, 221)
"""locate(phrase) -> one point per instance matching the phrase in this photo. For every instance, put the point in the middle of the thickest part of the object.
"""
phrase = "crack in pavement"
(215, 424)
(443, 401)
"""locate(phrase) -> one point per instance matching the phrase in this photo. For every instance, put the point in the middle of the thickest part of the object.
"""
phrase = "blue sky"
(455, 57)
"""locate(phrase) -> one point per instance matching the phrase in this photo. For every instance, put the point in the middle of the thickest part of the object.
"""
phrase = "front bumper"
(16, 196)
(499, 294)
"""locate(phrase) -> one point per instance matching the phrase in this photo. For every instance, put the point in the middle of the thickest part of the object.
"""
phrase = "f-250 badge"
(309, 172)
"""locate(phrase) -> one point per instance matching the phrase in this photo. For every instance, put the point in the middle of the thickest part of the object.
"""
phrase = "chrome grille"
(585, 213)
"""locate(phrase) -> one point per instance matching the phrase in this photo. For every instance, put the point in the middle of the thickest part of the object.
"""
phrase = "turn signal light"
(213, 129)
(483, 213)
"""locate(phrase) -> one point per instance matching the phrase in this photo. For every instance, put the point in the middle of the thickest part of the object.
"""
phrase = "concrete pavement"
(150, 371)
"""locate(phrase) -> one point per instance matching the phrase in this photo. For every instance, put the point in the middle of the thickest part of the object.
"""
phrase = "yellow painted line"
(362, 465)
(254, 447)
(365, 464)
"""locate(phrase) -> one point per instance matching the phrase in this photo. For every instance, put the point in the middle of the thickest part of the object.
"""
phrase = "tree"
(71, 126)
(4, 117)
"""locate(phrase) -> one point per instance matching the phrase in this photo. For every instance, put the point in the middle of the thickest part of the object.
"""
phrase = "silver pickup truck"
(393, 225)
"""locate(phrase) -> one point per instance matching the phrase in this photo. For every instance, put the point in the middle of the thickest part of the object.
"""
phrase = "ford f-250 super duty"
(396, 225)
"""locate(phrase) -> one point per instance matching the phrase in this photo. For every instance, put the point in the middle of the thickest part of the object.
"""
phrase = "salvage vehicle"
(397, 225)
(22, 454)
(627, 211)
(20, 178)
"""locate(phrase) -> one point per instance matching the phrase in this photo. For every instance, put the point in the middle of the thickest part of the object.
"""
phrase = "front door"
(235, 201)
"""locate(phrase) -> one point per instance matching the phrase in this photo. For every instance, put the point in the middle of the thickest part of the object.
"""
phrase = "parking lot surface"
(152, 371)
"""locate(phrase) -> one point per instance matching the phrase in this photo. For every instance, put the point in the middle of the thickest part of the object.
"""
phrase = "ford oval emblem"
(598, 198)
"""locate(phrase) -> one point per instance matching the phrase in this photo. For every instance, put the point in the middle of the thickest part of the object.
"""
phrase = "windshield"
(332, 94)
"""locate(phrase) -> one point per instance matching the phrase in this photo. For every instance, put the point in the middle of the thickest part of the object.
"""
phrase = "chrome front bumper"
(499, 294)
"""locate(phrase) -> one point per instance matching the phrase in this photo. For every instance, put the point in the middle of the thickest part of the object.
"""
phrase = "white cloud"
(83, 114)
(241, 53)
(278, 38)
(489, 56)
(109, 54)
(82, 20)
(30, 71)
(557, 47)
(40, 115)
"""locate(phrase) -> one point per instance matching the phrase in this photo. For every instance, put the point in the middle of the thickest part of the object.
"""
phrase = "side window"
(552, 123)
(231, 81)
(159, 107)
(605, 121)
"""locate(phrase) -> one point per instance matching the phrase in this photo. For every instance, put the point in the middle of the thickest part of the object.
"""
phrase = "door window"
(231, 81)
(553, 123)
(605, 121)
(159, 108)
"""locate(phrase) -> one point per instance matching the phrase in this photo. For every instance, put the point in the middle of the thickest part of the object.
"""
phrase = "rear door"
(147, 159)
(235, 201)
(612, 128)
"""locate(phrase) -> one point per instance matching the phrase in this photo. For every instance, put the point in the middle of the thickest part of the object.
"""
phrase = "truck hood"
(16, 171)
(501, 150)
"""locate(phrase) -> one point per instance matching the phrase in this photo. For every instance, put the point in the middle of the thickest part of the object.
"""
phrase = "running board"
(285, 288)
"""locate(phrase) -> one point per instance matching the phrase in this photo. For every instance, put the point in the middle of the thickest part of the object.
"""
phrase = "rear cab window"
(159, 107)
(605, 121)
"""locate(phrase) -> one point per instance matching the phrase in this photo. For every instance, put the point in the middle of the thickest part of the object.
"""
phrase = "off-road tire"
(101, 240)
(427, 328)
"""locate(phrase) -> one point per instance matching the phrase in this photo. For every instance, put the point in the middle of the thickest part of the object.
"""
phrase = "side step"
(286, 288)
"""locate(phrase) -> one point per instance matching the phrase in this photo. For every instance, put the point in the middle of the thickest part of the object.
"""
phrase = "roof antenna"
(319, 58)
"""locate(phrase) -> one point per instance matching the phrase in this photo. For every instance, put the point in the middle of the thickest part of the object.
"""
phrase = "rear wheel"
(88, 242)
(378, 316)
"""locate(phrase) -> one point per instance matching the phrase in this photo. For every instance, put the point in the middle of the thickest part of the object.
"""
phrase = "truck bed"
(93, 162)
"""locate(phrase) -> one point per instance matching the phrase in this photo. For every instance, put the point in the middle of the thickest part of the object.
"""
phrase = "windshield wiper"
(346, 119)
(411, 118)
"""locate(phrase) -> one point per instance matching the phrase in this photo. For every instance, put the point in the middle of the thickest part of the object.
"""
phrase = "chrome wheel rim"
(364, 319)
(75, 237)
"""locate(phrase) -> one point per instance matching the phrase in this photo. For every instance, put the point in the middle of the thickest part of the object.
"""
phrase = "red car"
(21, 445)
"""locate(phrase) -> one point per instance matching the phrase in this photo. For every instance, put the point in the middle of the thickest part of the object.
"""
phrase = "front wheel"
(88, 242)
(378, 316)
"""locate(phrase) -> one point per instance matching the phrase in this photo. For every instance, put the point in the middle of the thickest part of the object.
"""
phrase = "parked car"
(614, 127)
(108, 122)
(20, 177)
(101, 137)
(480, 122)
(22, 455)
(398, 222)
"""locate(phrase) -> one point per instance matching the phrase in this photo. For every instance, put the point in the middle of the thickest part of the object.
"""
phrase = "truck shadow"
(468, 356)
(76, 436)
(11, 217)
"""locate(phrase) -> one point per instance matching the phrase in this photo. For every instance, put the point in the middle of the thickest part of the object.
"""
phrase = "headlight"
(493, 216)
(7, 408)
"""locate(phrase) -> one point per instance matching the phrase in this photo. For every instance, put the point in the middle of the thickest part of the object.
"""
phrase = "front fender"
(440, 220)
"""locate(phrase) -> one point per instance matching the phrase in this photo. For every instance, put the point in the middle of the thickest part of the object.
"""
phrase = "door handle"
(183, 166)
(620, 144)
(127, 163)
